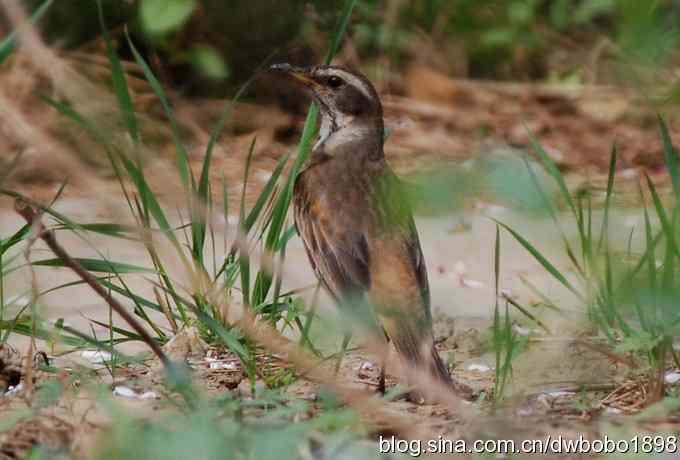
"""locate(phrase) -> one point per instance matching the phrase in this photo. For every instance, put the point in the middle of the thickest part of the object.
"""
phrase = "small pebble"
(262, 175)
(231, 366)
(672, 377)
(19, 301)
(521, 330)
(12, 389)
(129, 393)
(124, 392)
(525, 411)
(96, 356)
(559, 394)
(477, 367)
(468, 283)
(367, 366)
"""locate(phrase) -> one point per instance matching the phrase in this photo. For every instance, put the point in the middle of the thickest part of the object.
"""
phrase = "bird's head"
(349, 105)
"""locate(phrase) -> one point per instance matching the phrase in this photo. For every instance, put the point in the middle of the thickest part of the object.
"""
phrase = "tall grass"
(263, 226)
(504, 338)
(630, 302)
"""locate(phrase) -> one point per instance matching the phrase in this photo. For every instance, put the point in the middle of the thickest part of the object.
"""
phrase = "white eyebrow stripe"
(351, 80)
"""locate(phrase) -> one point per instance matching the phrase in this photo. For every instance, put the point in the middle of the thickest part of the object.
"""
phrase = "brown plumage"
(355, 221)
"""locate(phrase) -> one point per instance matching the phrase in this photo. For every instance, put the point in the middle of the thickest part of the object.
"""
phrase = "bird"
(354, 219)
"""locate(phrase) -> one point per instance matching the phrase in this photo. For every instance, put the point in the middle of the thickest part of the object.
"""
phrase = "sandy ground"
(460, 263)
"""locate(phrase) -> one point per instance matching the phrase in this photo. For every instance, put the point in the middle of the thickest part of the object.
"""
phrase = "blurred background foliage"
(553, 40)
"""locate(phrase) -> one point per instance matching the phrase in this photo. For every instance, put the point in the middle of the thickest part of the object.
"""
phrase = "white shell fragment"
(559, 394)
(262, 175)
(521, 330)
(129, 393)
(96, 356)
(473, 284)
(367, 366)
(19, 301)
(12, 390)
(475, 367)
(230, 366)
(672, 377)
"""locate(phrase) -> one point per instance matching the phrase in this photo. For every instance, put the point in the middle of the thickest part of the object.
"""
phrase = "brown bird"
(355, 221)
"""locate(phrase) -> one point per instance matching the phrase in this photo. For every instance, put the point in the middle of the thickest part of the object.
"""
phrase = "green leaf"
(521, 11)
(499, 37)
(560, 13)
(208, 62)
(162, 16)
(97, 265)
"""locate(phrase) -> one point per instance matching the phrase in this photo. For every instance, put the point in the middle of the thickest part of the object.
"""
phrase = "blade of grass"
(182, 159)
(552, 169)
(666, 224)
(607, 201)
(96, 265)
(550, 268)
(9, 43)
(670, 157)
(120, 85)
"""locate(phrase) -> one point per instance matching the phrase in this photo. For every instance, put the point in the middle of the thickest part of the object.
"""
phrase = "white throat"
(342, 130)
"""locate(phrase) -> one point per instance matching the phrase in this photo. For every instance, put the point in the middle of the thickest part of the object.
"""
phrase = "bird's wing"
(399, 216)
(338, 253)
(416, 253)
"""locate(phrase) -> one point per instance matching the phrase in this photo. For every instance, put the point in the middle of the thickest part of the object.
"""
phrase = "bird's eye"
(335, 82)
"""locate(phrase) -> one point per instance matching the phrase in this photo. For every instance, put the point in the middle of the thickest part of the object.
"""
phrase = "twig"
(33, 219)
(608, 353)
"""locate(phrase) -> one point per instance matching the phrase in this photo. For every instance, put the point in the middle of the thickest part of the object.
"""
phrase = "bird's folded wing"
(339, 257)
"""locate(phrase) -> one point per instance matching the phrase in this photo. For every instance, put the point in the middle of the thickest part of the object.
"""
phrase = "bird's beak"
(298, 74)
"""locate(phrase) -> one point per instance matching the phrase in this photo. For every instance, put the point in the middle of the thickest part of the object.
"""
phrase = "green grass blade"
(96, 265)
(120, 85)
(183, 168)
(126, 232)
(345, 16)
(124, 332)
(149, 199)
(308, 132)
(16, 238)
(552, 169)
(550, 268)
(265, 196)
(497, 260)
(608, 197)
(227, 337)
(651, 259)
(666, 224)
(671, 158)
(9, 43)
